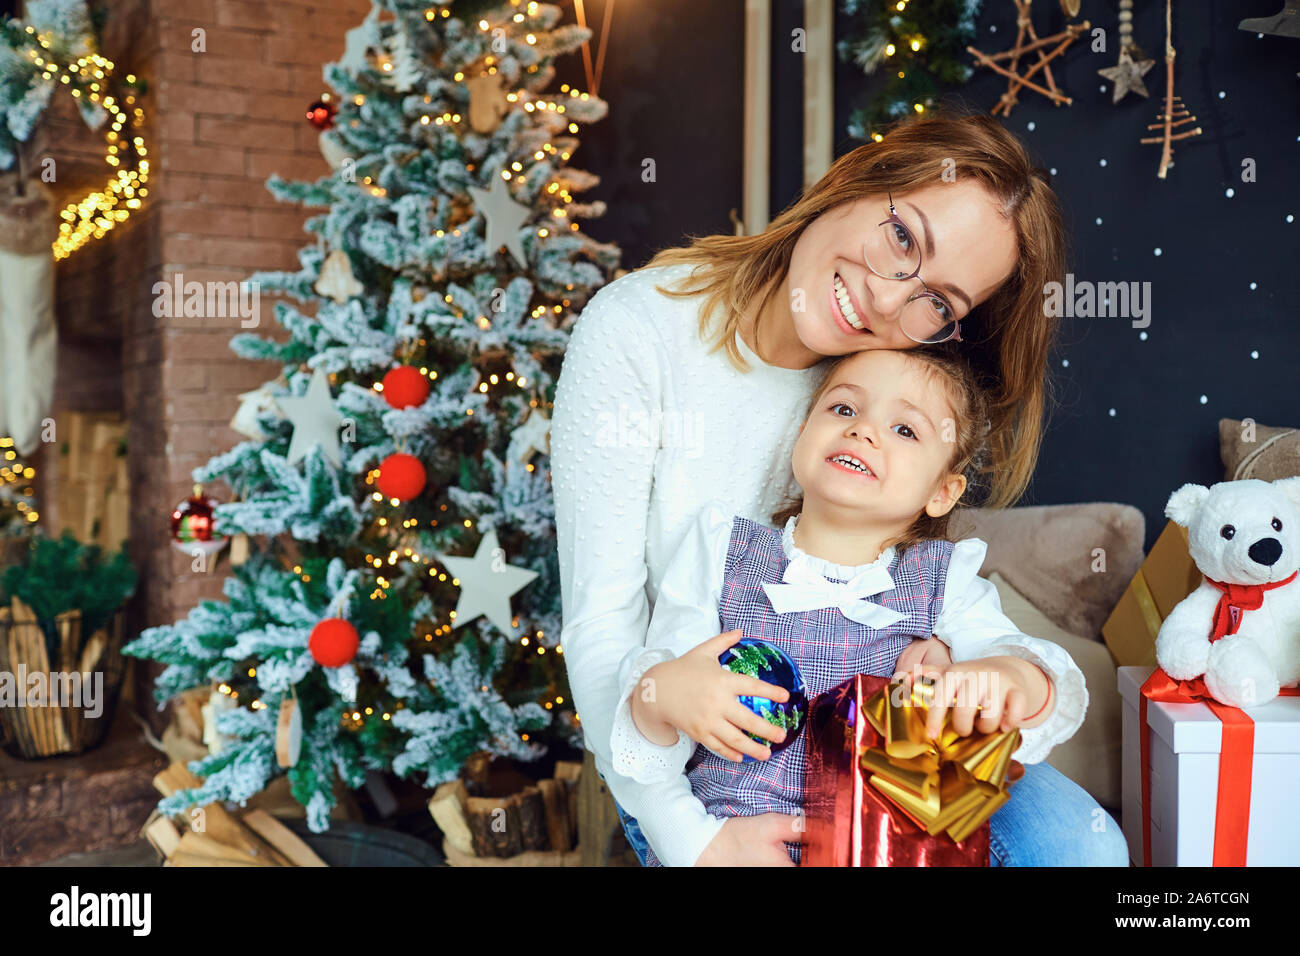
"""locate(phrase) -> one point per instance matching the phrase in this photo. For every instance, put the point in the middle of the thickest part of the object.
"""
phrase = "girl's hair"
(1007, 337)
(969, 442)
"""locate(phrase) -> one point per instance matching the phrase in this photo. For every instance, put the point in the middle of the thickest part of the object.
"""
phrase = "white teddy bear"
(1244, 535)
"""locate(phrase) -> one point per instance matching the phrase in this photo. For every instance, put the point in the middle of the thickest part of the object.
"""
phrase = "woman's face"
(967, 251)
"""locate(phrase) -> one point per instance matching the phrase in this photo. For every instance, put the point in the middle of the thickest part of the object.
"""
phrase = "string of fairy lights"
(89, 76)
(914, 43)
(14, 473)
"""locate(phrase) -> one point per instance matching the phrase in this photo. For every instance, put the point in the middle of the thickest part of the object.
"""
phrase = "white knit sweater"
(648, 427)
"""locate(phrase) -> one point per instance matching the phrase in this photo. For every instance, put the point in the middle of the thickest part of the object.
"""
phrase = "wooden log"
(570, 772)
(282, 838)
(494, 825)
(213, 851)
(457, 857)
(447, 807)
(555, 800)
(532, 819)
(162, 834)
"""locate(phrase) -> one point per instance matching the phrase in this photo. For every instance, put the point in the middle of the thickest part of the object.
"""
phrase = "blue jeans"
(1049, 821)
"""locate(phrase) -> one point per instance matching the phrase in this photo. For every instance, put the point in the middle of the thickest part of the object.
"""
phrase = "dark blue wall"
(674, 75)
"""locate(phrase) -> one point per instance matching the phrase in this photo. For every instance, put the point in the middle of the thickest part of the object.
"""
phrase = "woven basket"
(55, 648)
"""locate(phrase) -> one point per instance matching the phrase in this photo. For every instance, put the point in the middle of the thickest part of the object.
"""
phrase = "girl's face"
(879, 441)
(967, 251)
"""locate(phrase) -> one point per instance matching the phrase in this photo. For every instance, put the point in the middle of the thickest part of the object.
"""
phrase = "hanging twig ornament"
(1175, 114)
(1025, 28)
(1133, 63)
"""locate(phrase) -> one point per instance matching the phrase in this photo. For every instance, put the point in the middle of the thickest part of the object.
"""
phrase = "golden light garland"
(98, 212)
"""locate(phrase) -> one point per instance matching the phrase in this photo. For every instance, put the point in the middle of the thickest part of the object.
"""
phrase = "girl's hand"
(754, 841)
(697, 695)
(1001, 691)
(921, 656)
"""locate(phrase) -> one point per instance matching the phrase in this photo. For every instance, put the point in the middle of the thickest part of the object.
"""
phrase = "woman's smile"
(846, 310)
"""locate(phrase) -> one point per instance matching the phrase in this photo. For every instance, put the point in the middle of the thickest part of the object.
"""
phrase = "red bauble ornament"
(333, 642)
(192, 519)
(404, 387)
(401, 476)
(321, 114)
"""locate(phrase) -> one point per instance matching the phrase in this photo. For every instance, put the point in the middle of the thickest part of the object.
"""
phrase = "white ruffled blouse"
(971, 623)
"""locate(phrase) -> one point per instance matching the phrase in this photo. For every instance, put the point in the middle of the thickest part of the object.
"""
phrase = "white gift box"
(1185, 742)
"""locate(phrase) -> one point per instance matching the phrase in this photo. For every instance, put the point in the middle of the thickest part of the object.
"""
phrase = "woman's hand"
(1000, 690)
(697, 695)
(754, 841)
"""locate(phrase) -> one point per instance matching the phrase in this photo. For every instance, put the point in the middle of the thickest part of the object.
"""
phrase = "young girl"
(883, 456)
(686, 380)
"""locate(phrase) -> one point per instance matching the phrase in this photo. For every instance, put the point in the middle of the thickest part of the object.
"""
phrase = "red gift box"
(848, 822)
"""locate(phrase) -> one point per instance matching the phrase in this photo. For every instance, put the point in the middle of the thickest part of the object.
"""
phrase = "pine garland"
(882, 38)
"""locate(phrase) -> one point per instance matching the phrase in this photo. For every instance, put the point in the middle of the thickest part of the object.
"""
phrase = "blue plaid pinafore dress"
(828, 647)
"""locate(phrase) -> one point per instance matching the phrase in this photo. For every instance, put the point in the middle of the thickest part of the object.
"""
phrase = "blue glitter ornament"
(770, 664)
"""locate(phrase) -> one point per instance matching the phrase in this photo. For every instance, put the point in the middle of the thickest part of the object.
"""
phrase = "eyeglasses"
(892, 252)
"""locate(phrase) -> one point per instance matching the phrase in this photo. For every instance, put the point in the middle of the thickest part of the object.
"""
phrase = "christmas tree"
(401, 598)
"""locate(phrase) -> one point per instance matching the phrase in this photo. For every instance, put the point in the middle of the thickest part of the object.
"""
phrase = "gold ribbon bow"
(954, 783)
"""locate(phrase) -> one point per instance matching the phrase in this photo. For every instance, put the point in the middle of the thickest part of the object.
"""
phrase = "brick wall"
(219, 122)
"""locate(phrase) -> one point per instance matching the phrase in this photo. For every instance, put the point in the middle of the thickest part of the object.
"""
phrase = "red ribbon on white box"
(1236, 762)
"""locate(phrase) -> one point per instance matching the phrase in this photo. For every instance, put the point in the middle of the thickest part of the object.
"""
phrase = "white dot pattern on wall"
(1229, 192)
(1254, 353)
(1102, 163)
(1252, 287)
(1142, 336)
(1204, 399)
(1159, 251)
(1112, 413)
(1099, 220)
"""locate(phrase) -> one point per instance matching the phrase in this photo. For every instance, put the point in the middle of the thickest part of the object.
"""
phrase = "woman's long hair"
(1010, 336)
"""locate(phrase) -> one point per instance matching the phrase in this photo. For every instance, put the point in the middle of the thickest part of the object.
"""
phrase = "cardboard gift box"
(1166, 577)
(1188, 824)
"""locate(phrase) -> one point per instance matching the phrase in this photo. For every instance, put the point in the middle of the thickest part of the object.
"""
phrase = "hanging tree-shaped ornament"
(1027, 41)
(1175, 114)
(402, 71)
(336, 280)
(1133, 63)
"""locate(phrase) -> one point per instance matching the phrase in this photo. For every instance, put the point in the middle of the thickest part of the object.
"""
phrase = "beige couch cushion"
(1046, 552)
(1271, 453)
(1091, 758)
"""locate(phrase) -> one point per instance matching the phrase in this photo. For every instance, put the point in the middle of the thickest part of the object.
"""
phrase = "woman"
(941, 236)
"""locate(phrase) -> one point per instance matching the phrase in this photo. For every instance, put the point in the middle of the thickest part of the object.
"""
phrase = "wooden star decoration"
(503, 216)
(1025, 28)
(531, 437)
(487, 583)
(1127, 74)
(358, 41)
(315, 420)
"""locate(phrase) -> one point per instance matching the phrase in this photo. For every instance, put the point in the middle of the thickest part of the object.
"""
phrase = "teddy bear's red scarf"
(1237, 599)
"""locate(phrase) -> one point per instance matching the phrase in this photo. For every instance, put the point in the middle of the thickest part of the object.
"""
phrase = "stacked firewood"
(491, 817)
